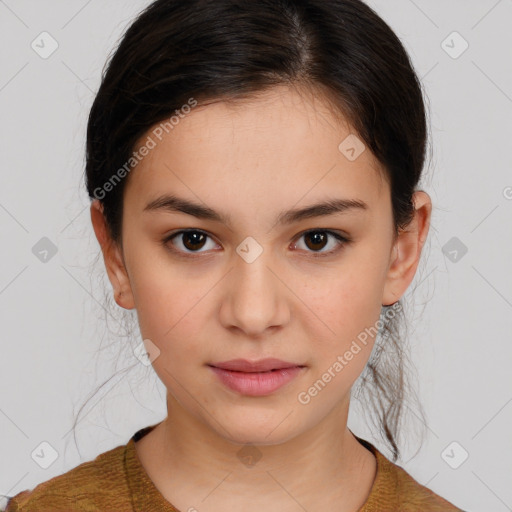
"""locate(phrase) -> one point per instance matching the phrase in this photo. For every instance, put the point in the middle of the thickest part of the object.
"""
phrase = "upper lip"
(262, 365)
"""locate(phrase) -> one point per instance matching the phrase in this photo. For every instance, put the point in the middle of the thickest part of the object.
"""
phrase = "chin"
(252, 429)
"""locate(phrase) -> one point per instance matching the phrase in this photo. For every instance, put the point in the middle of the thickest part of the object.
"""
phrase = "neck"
(326, 459)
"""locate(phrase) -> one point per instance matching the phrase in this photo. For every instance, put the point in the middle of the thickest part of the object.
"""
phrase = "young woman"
(253, 169)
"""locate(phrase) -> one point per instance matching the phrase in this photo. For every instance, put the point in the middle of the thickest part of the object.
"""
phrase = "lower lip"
(258, 383)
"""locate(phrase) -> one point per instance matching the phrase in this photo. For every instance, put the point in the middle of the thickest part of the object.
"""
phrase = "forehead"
(281, 140)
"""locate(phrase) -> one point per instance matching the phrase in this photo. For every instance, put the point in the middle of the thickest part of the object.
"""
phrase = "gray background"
(52, 317)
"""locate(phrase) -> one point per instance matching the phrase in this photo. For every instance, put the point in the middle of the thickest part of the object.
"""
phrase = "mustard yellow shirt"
(116, 481)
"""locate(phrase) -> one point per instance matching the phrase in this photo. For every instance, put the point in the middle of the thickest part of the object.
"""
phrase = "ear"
(113, 258)
(407, 248)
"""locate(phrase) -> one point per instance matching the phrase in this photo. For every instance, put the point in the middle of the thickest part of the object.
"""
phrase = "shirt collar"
(145, 496)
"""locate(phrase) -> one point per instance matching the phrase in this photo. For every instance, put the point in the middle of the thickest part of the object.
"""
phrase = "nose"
(255, 298)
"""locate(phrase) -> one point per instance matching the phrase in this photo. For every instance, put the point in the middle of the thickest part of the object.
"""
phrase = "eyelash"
(344, 240)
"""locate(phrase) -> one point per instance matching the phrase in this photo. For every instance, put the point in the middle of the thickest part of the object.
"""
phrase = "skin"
(251, 160)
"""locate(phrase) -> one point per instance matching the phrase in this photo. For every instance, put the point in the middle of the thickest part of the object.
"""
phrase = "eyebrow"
(173, 204)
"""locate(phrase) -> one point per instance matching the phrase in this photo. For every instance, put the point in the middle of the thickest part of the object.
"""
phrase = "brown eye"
(316, 240)
(193, 240)
(188, 241)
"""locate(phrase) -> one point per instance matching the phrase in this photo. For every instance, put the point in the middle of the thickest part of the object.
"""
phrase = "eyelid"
(341, 237)
(170, 236)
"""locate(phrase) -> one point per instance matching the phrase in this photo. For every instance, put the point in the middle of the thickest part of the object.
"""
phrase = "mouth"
(259, 366)
(257, 378)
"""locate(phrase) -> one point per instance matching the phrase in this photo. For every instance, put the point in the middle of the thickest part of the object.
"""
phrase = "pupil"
(318, 237)
(196, 238)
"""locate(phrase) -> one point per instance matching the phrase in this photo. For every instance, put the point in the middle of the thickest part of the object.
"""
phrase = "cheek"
(340, 353)
(170, 319)
(347, 298)
(346, 310)
(168, 306)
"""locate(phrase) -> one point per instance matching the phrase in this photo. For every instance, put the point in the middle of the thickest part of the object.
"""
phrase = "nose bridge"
(253, 279)
(256, 298)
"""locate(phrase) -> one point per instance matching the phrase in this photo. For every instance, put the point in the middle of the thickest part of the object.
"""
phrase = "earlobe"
(112, 257)
(407, 250)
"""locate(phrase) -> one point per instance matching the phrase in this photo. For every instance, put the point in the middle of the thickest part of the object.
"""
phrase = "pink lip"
(258, 378)
(263, 365)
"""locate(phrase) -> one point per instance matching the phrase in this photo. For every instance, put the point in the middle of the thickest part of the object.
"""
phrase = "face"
(249, 279)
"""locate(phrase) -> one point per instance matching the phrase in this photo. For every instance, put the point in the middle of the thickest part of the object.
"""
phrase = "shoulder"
(395, 490)
(91, 486)
(415, 496)
(410, 494)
